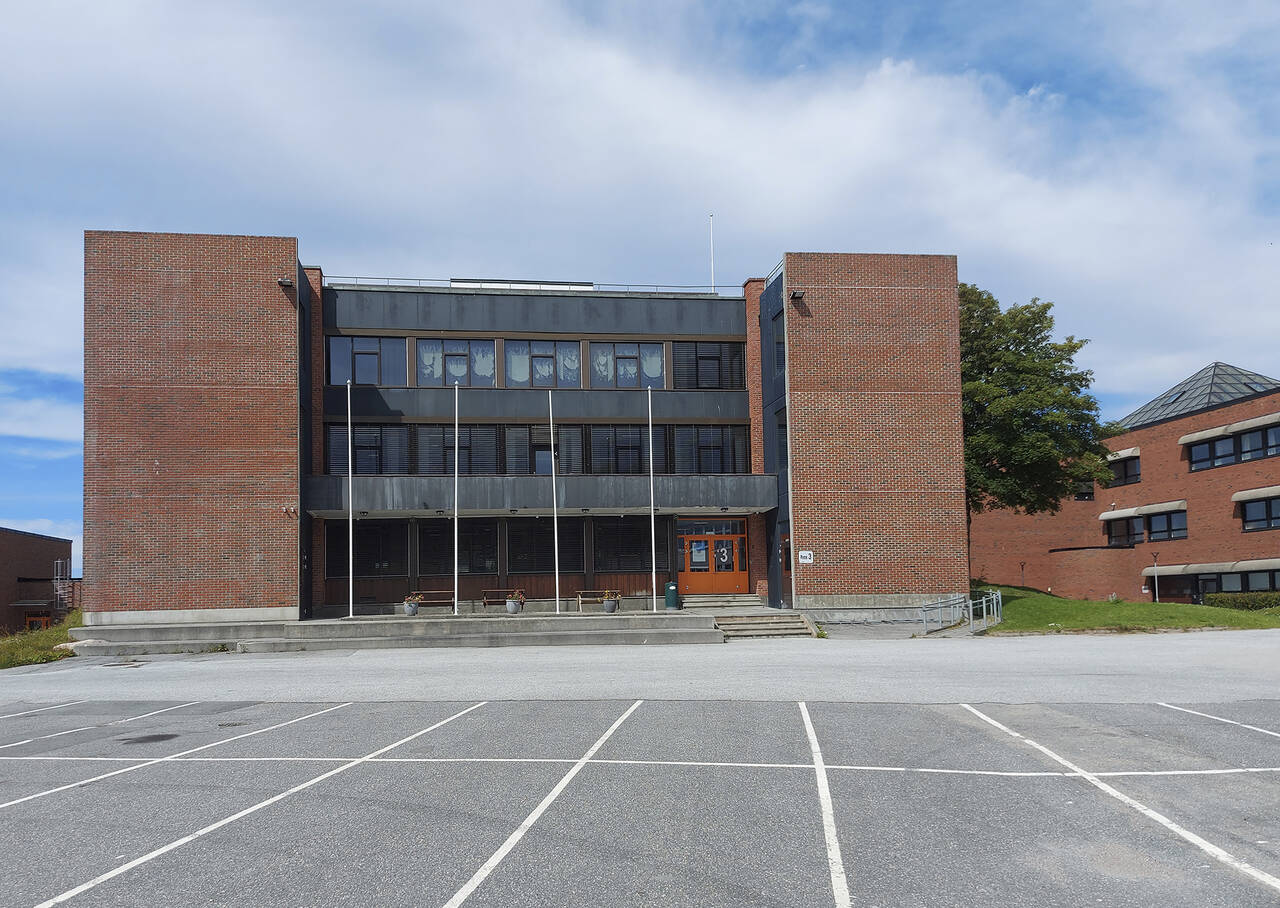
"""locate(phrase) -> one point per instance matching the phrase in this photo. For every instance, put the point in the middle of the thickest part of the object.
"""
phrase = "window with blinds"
(708, 365)
(381, 548)
(477, 546)
(531, 545)
(623, 545)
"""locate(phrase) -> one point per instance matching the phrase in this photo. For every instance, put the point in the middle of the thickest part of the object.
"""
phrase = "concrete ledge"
(863, 615)
(873, 601)
(191, 616)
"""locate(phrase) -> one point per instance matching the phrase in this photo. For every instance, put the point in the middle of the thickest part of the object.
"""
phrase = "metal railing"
(563, 286)
(984, 605)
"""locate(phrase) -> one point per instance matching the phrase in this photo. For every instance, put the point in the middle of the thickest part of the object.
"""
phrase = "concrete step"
(389, 626)
(153, 647)
(777, 625)
(620, 637)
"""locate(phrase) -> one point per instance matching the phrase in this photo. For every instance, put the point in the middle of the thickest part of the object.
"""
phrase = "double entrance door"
(711, 556)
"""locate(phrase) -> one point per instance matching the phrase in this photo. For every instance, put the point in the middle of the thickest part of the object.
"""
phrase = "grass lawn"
(1031, 611)
(32, 647)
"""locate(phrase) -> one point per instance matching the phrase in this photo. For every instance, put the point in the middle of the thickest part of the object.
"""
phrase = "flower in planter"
(416, 597)
(516, 596)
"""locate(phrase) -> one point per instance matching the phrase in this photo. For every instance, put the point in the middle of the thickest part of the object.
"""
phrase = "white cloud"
(422, 141)
(54, 420)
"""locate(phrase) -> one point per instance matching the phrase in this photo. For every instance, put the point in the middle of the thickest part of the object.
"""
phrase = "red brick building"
(805, 436)
(31, 568)
(1197, 481)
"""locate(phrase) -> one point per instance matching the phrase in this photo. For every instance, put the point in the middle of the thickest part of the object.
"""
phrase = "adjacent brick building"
(806, 434)
(32, 567)
(1197, 479)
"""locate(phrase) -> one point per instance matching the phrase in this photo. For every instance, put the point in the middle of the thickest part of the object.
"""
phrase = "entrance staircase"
(779, 624)
(721, 600)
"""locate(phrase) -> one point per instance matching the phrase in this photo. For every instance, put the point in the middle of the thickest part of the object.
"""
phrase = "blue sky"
(1119, 158)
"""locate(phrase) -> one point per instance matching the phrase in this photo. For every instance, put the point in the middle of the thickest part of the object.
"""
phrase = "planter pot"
(411, 608)
(513, 606)
(611, 605)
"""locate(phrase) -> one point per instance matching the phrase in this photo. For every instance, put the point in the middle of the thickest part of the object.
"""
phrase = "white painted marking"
(69, 731)
(165, 849)
(1183, 709)
(183, 753)
(1204, 845)
(43, 709)
(1190, 772)
(839, 883)
(505, 848)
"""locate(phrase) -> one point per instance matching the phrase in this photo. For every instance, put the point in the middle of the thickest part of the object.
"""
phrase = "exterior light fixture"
(797, 294)
(285, 282)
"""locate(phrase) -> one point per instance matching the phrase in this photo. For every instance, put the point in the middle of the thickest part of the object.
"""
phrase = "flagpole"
(653, 520)
(555, 513)
(456, 447)
(351, 514)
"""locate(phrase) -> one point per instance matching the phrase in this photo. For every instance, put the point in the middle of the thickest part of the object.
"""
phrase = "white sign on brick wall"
(806, 556)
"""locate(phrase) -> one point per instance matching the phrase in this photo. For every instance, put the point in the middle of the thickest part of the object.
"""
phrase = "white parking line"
(43, 709)
(1183, 709)
(1204, 845)
(505, 848)
(839, 883)
(152, 855)
(70, 731)
(117, 772)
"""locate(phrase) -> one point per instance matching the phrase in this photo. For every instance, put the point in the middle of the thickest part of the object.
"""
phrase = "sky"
(1120, 158)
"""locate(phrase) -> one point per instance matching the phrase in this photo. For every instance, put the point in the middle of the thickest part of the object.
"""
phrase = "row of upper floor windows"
(1255, 515)
(429, 449)
(519, 363)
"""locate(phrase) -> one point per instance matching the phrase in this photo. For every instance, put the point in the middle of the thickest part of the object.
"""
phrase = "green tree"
(1031, 429)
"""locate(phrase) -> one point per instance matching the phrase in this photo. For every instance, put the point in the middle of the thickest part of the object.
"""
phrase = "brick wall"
(25, 555)
(876, 442)
(191, 425)
(757, 542)
(1019, 549)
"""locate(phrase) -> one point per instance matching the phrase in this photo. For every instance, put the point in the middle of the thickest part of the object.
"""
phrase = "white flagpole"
(351, 514)
(712, 219)
(555, 513)
(653, 520)
(456, 446)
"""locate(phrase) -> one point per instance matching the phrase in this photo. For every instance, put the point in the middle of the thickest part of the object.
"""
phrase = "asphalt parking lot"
(639, 802)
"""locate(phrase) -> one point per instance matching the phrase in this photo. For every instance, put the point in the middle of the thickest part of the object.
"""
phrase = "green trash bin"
(673, 596)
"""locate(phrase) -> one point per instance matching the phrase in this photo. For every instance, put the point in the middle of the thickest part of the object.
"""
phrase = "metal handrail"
(521, 285)
(989, 605)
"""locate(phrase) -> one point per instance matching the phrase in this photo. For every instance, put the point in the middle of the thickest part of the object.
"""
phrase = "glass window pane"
(544, 372)
(516, 354)
(1224, 451)
(626, 349)
(602, 365)
(1178, 520)
(1255, 515)
(455, 369)
(542, 348)
(366, 369)
(430, 363)
(1259, 580)
(628, 372)
(651, 363)
(484, 364)
(456, 346)
(1251, 445)
(1199, 456)
(365, 344)
(395, 367)
(1231, 583)
(708, 372)
(1273, 441)
(568, 365)
(339, 360)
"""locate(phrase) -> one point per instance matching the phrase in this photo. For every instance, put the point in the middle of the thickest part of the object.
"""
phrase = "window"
(1262, 514)
(376, 449)
(381, 549)
(1232, 583)
(1125, 472)
(477, 546)
(781, 422)
(622, 544)
(625, 449)
(528, 449)
(1162, 527)
(710, 449)
(1084, 490)
(705, 365)
(1200, 457)
(367, 361)
(477, 451)
(442, 362)
(1251, 446)
(1258, 580)
(1125, 531)
(625, 365)
(531, 544)
(542, 364)
(779, 344)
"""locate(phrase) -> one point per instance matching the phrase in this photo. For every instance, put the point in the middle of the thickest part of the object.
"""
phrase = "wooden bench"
(437, 598)
(594, 597)
(497, 597)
